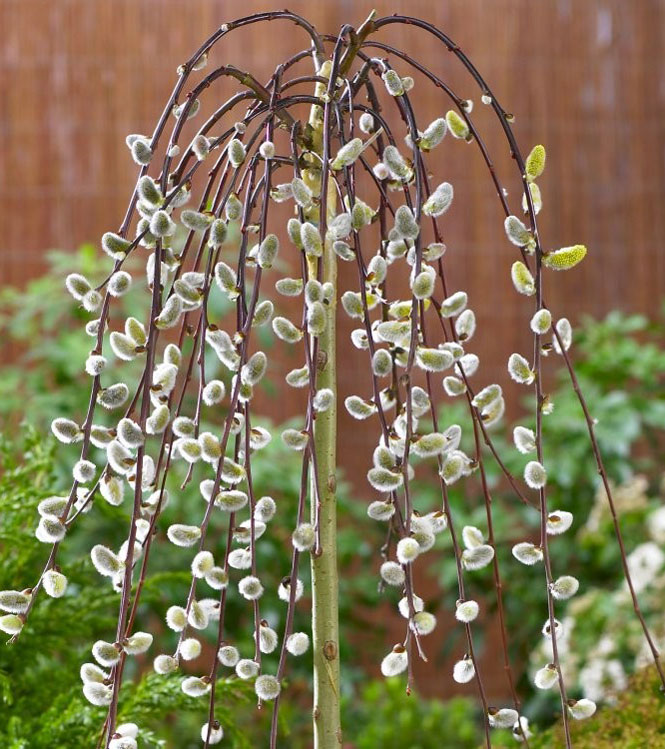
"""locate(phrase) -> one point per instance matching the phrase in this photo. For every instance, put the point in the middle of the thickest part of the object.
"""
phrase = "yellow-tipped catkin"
(565, 258)
(535, 163)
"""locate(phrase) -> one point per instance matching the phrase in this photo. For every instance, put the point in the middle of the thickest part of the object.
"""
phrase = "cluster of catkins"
(410, 340)
(395, 339)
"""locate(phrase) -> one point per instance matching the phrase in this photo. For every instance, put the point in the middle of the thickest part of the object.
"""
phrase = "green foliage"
(382, 715)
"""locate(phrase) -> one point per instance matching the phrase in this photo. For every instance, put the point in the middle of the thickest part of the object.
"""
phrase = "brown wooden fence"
(584, 77)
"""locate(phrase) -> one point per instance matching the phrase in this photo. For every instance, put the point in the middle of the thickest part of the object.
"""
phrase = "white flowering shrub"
(363, 182)
(603, 641)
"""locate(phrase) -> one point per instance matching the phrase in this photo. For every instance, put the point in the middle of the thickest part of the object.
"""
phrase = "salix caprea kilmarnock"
(364, 182)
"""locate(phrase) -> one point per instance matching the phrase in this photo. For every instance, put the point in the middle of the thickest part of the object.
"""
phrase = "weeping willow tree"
(359, 175)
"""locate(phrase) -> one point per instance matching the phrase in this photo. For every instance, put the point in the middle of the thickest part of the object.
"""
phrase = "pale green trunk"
(327, 726)
(325, 625)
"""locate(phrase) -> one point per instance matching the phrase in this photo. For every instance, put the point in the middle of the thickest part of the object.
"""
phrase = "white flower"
(521, 730)
(527, 553)
(105, 653)
(535, 475)
(477, 557)
(396, 662)
(247, 669)
(137, 643)
(106, 562)
(183, 535)
(14, 601)
(565, 587)
(304, 537)
(176, 618)
(541, 321)
(457, 126)
(213, 392)
(297, 643)
(268, 639)
(519, 369)
(393, 574)
(558, 522)
(487, 396)
(54, 583)
(266, 687)
(347, 154)
(522, 279)
(453, 467)
(423, 623)
(396, 163)
(97, 694)
(547, 629)
(66, 430)
(467, 611)
(656, 525)
(504, 717)
(439, 201)
(581, 709)
(472, 536)
(84, 471)
(265, 509)
(464, 670)
(11, 624)
(407, 550)
(198, 616)
(250, 587)
(311, 242)
(404, 606)
(359, 408)
(190, 648)
(50, 529)
(393, 82)
(267, 149)
(228, 656)
(165, 664)
(384, 480)
(546, 677)
(454, 304)
(123, 742)
(92, 672)
(518, 234)
(644, 562)
(236, 152)
(202, 563)
(284, 589)
(193, 686)
(524, 439)
(433, 134)
(565, 331)
(214, 733)
(405, 223)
